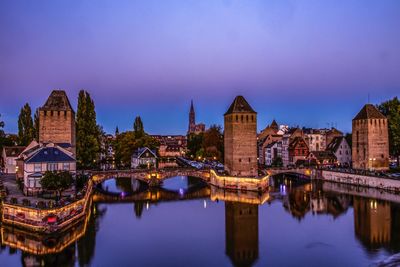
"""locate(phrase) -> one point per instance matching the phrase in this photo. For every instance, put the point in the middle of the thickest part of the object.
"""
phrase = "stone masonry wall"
(240, 140)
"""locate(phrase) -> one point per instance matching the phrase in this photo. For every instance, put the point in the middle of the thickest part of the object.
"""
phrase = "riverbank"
(47, 220)
(388, 184)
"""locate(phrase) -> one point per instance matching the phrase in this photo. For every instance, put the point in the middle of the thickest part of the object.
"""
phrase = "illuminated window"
(37, 167)
(52, 166)
(66, 166)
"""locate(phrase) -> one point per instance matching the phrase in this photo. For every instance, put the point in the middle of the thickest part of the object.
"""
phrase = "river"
(187, 223)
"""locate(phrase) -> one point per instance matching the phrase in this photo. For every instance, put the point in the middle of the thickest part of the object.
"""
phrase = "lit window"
(66, 166)
(37, 167)
(52, 166)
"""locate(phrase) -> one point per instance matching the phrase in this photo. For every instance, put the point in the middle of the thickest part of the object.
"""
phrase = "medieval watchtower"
(240, 139)
(57, 121)
(370, 140)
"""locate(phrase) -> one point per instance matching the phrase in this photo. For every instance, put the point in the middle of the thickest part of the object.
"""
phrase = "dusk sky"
(308, 63)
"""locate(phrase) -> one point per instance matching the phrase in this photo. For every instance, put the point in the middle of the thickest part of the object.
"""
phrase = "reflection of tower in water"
(372, 222)
(241, 229)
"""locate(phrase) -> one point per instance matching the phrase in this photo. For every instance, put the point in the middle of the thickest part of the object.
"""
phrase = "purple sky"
(301, 62)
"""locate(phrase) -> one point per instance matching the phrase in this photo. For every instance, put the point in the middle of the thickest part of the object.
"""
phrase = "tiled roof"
(57, 100)
(369, 111)
(49, 154)
(323, 155)
(240, 105)
(13, 151)
(334, 145)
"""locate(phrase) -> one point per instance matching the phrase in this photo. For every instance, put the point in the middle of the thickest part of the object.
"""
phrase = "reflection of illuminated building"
(40, 244)
(138, 207)
(298, 202)
(61, 249)
(241, 226)
(249, 197)
(372, 222)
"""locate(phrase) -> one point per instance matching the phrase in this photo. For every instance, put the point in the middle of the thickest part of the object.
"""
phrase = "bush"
(80, 181)
(41, 204)
(26, 202)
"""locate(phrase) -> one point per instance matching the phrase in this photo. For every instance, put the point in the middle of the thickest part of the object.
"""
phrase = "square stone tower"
(57, 121)
(370, 138)
(240, 139)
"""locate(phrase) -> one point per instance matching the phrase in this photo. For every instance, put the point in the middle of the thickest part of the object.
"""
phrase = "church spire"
(192, 118)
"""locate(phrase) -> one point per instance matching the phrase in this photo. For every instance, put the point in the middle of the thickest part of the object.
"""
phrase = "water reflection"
(241, 230)
(375, 220)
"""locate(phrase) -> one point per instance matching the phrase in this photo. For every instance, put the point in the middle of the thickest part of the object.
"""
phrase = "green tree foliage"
(391, 109)
(195, 145)
(56, 181)
(127, 142)
(87, 132)
(209, 144)
(213, 143)
(1, 126)
(36, 125)
(116, 131)
(277, 162)
(349, 139)
(25, 126)
(138, 127)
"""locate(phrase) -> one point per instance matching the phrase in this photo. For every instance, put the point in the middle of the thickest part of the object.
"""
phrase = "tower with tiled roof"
(370, 140)
(57, 121)
(240, 139)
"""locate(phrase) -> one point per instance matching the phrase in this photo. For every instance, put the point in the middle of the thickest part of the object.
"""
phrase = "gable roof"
(58, 100)
(13, 151)
(296, 141)
(320, 155)
(335, 144)
(140, 151)
(369, 111)
(240, 105)
(49, 154)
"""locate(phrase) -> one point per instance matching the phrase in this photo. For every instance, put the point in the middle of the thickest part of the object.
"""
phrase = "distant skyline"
(306, 63)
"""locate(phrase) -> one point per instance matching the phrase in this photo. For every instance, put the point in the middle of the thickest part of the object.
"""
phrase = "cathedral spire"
(192, 118)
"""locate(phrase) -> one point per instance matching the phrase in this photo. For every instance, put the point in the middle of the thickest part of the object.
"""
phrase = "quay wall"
(47, 220)
(359, 180)
(239, 183)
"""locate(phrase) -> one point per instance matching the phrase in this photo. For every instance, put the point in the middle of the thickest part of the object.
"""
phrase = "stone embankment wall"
(360, 180)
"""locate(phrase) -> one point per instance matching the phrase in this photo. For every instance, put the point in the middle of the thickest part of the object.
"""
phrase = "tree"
(213, 143)
(3, 139)
(36, 125)
(209, 144)
(1, 127)
(116, 131)
(126, 143)
(138, 127)
(25, 126)
(194, 144)
(56, 181)
(87, 132)
(349, 139)
(277, 162)
(391, 109)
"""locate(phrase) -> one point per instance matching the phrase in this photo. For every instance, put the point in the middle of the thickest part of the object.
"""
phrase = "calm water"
(187, 223)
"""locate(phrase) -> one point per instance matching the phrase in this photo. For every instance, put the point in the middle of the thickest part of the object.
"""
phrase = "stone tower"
(241, 233)
(57, 121)
(192, 119)
(370, 140)
(240, 139)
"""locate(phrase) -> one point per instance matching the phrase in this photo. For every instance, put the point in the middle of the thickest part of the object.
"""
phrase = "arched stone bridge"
(306, 173)
(153, 177)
